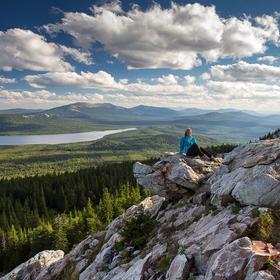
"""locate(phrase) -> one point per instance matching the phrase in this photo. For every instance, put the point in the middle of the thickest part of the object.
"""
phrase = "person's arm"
(194, 141)
(182, 146)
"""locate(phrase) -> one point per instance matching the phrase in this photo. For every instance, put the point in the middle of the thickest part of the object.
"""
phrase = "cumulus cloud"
(268, 59)
(205, 76)
(240, 82)
(254, 96)
(244, 90)
(243, 71)
(4, 80)
(99, 79)
(78, 55)
(165, 85)
(168, 79)
(23, 49)
(177, 37)
(43, 98)
(17, 94)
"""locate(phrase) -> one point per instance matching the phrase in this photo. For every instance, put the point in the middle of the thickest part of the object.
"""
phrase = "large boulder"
(214, 231)
(260, 275)
(179, 268)
(239, 260)
(251, 175)
(140, 268)
(102, 259)
(31, 268)
(174, 171)
(73, 263)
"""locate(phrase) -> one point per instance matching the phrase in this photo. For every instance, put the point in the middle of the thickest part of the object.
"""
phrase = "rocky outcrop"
(191, 238)
(174, 174)
(206, 233)
(179, 268)
(250, 175)
(238, 260)
(212, 232)
(32, 268)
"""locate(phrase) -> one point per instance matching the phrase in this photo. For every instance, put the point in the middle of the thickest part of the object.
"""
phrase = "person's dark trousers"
(195, 150)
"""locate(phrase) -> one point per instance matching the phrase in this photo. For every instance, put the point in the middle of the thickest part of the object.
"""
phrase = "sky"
(179, 54)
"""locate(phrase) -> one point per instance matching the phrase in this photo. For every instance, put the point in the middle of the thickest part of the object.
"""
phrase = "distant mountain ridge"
(20, 111)
(138, 110)
(99, 109)
(144, 110)
(226, 124)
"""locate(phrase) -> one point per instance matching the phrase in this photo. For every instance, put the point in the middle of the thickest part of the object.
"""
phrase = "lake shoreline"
(55, 139)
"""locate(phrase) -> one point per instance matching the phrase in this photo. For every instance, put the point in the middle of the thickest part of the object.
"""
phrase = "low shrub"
(137, 231)
(164, 263)
(265, 226)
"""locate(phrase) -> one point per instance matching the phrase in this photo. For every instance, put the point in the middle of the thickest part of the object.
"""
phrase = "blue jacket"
(185, 143)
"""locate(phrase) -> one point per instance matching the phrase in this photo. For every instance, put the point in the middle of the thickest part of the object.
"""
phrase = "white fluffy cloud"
(78, 55)
(245, 95)
(165, 85)
(99, 79)
(243, 71)
(268, 59)
(47, 99)
(169, 90)
(244, 85)
(176, 37)
(168, 79)
(42, 98)
(4, 80)
(244, 90)
(24, 49)
(17, 94)
(239, 83)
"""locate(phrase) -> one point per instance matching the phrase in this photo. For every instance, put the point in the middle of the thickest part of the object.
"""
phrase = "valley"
(30, 160)
(158, 130)
(226, 125)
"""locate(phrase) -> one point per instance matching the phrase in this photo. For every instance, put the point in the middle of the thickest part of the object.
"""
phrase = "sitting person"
(189, 147)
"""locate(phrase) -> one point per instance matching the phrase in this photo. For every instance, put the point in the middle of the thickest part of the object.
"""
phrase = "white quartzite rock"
(260, 275)
(136, 271)
(239, 260)
(178, 268)
(174, 169)
(34, 265)
(103, 258)
(252, 176)
(72, 263)
(211, 233)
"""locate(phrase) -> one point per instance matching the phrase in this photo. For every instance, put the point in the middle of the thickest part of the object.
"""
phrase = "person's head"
(188, 132)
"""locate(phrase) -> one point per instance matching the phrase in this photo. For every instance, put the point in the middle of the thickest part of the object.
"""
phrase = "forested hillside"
(57, 211)
(30, 160)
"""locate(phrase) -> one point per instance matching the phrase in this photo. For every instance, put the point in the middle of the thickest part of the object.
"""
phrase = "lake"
(58, 138)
